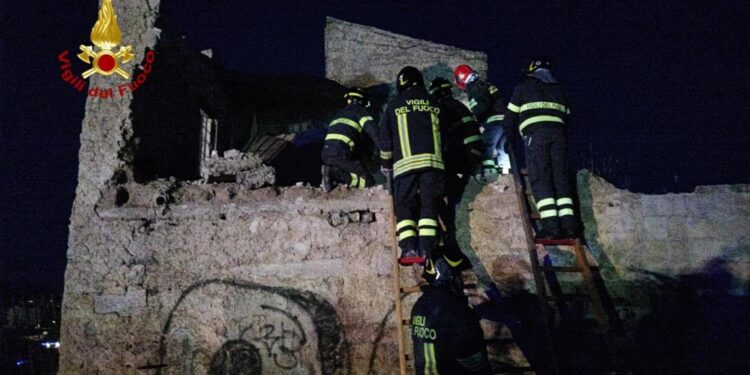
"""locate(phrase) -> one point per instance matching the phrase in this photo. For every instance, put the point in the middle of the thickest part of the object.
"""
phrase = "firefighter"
(462, 151)
(342, 154)
(411, 152)
(489, 109)
(445, 332)
(539, 108)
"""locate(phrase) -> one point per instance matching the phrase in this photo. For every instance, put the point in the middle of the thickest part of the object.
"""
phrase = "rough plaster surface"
(358, 55)
(639, 238)
(293, 272)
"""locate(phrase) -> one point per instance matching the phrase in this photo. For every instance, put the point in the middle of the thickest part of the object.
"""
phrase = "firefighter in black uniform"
(411, 151)
(445, 332)
(342, 150)
(462, 151)
(539, 108)
(488, 107)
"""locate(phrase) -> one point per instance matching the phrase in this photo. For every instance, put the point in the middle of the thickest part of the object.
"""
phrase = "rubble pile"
(247, 169)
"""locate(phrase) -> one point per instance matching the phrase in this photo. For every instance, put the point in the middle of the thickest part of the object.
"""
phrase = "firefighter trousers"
(417, 198)
(455, 186)
(494, 141)
(546, 161)
(347, 169)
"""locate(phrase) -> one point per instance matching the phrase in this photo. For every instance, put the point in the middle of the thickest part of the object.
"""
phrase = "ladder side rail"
(588, 280)
(533, 254)
(398, 313)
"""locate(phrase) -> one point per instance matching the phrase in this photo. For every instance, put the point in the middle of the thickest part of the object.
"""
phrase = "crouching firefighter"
(462, 152)
(445, 332)
(342, 151)
(539, 108)
(488, 106)
(411, 151)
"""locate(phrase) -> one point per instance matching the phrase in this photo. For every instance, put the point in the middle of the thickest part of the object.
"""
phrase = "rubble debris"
(246, 169)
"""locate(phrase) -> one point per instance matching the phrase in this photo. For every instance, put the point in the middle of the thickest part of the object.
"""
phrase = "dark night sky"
(660, 90)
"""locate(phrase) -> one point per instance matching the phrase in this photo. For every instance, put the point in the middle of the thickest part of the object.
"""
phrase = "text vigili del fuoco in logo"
(106, 36)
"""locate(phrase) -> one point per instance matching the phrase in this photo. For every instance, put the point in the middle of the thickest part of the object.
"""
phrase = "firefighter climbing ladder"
(544, 272)
(400, 292)
(545, 278)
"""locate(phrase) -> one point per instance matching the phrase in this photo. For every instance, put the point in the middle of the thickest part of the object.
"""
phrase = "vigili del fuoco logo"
(106, 36)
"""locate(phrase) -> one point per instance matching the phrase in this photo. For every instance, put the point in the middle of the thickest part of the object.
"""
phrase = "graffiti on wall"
(282, 342)
(223, 327)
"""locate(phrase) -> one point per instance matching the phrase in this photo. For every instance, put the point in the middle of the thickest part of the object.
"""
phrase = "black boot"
(550, 229)
(570, 228)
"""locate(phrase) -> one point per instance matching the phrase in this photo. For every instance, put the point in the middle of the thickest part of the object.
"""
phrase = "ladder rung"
(560, 269)
(557, 242)
(411, 289)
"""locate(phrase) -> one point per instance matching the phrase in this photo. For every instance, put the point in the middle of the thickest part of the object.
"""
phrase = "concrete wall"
(700, 238)
(299, 281)
(299, 277)
(178, 276)
(358, 55)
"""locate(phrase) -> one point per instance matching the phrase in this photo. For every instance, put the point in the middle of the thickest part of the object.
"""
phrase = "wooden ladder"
(548, 288)
(399, 293)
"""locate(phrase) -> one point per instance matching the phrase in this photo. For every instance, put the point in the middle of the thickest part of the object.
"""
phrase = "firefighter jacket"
(536, 104)
(462, 141)
(410, 133)
(485, 102)
(446, 334)
(346, 128)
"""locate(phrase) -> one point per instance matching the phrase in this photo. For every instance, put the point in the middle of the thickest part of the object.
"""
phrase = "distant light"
(22, 362)
(51, 344)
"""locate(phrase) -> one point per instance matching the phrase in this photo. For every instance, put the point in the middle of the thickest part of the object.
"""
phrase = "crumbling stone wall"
(179, 276)
(701, 239)
(671, 234)
(358, 55)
